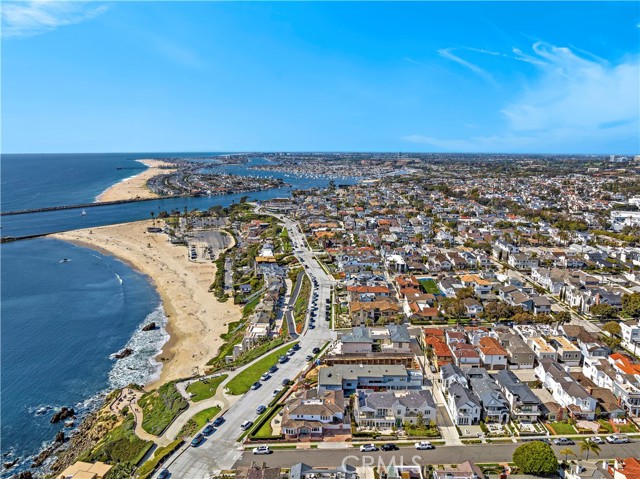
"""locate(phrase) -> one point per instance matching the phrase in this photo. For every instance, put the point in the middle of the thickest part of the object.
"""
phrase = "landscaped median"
(198, 421)
(205, 388)
(159, 456)
(243, 381)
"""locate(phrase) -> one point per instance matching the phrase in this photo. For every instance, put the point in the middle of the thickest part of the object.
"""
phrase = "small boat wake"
(64, 260)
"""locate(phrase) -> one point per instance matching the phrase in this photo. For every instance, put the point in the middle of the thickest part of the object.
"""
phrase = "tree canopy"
(536, 458)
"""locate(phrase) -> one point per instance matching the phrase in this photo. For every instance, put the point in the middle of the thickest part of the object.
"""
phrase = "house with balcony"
(541, 349)
(450, 374)
(463, 405)
(310, 415)
(524, 405)
(388, 409)
(350, 377)
(495, 407)
(630, 333)
(568, 353)
(566, 390)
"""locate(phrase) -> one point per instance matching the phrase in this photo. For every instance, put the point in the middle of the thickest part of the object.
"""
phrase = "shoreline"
(136, 186)
(195, 319)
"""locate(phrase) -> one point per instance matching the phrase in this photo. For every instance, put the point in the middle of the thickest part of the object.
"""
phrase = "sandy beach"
(136, 186)
(195, 318)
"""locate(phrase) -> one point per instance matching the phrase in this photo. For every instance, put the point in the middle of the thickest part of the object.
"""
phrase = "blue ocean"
(62, 321)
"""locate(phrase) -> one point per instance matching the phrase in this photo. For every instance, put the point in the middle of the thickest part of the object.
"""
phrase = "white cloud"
(21, 19)
(575, 100)
(448, 53)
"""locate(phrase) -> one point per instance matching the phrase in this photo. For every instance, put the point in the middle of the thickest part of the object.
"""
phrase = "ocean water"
(61, 324)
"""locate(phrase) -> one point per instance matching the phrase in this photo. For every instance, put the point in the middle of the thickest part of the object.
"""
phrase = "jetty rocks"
(149, 327)
(124, 353)
(62, 414)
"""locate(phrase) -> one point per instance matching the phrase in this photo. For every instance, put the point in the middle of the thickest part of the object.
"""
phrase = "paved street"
(221, 451)
(440, 455)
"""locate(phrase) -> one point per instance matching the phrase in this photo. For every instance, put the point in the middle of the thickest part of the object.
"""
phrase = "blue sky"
(443, 77)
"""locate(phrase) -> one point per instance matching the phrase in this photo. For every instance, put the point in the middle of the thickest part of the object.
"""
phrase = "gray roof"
(449, 369)
(509, 381)
(398, 333)
(463, 395)
(357, 335)
(387, 399)
(335, 374)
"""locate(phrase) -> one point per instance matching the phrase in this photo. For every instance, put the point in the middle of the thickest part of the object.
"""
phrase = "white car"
(596, 440)
(246, 425)
(265, 376)
(262, 450)
(368, 448)
(424, 445)
(617, 439)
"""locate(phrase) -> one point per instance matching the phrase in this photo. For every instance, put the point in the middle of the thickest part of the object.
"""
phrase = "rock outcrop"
(149, 327)
(62, 414)
(124, 353)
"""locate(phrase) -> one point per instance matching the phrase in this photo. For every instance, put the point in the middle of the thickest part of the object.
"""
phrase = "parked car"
(256, 385)
(164, 473)
(273, 369)
(265, 376)
(207, 431)
(312, 326)
(618, 439)
(291, 352)
(283, 359)
(368, 448)
(285, 382)
(262, 450)
(315, 350)
(389, 447)
(218, 421)
(246, 425)
(275, 392)
(296, 347)
(308, 357)
(424, 445)
(563, 441)
(197, 440)
(260, 409)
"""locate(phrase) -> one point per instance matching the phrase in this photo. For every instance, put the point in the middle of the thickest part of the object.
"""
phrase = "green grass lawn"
(198, 421)
(206, 388)
(627, 428)
(243, 381)
(160, 408)
(120, 445)
(562, 428)
(606, 425)
(430, 286)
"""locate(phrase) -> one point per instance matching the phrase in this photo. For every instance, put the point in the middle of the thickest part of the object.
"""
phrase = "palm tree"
(567, 451)
(589, 446)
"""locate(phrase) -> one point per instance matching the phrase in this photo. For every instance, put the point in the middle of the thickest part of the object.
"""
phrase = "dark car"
(312, 326)
(315, 350)
(164, 473)
(217, 421)
(197, 440)
(283, 359)
(285, 382)
(296, 347)
(256, 385)
(207, 431)
(389, 447)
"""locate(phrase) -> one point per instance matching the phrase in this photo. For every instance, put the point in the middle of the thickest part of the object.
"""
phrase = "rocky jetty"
(149, 327)
(62, 414)
(124, 353)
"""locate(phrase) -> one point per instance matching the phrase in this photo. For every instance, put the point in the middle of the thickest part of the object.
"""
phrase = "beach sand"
(195, 318)
(136, 186)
